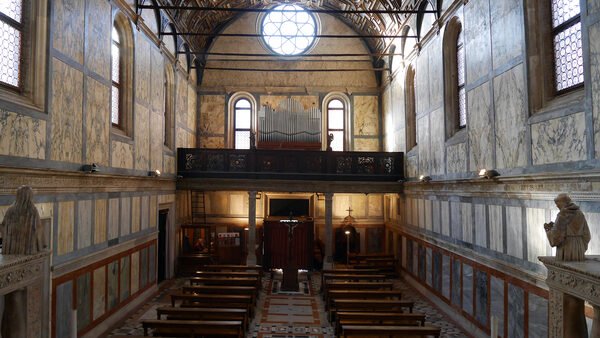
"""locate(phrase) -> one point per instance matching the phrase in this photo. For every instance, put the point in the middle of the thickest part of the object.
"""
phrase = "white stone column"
(328, 262)
(251, 246)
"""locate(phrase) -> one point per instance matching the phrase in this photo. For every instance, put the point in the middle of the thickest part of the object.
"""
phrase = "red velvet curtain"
(276, 245)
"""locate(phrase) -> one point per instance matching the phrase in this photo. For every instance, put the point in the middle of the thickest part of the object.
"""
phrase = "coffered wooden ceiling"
(371, 19)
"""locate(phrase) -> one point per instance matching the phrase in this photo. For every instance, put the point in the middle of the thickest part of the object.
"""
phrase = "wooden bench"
(350, 277)
(228, 274)
(227, 267)
(222, 290)
(360, 294)
(194, 313)
(222, 281)
(364, 305)
(362, 258)
(194, 328)
(384, 330)
(378, 318)
(357, 286)
(345, 272)
(211, 300)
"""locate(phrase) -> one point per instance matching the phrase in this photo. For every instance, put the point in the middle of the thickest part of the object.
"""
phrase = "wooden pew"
(235, 281)
(360, 294)
(228, 267)
(345, 272)
(388, 269)
(364, 305)
(222, 290)
(354, 259)
(228, 274)
(195, 313)
(211, 300)
(378, 318)
(383, 330)
(194, 328)
(357, 286)
(350, 277)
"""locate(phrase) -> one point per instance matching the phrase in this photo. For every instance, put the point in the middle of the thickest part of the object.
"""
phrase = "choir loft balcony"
(290, 170)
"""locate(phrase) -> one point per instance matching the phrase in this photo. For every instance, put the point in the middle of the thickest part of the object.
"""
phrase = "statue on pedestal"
(569, 233)
(329, 140)
(22, 234)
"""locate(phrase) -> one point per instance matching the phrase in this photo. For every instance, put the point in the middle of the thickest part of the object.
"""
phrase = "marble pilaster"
(251, 259)
(328, 263)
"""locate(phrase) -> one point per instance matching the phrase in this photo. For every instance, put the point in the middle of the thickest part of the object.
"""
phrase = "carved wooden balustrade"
(290, 164)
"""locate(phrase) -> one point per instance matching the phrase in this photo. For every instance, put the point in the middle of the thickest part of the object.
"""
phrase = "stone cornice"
(581, 279)
(17, 271)
(56, 181)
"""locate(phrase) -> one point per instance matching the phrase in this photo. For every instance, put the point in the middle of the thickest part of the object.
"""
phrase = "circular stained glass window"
(289, 30)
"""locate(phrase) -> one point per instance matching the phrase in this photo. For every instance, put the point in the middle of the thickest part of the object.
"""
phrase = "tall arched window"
(116, 116)
(335, 123)
(122, 75)
(410, 109)
(454, 78)
(242, 123)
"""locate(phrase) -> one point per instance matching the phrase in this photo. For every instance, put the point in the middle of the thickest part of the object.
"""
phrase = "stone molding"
(57, 182)
(19, 271)
(580, 279)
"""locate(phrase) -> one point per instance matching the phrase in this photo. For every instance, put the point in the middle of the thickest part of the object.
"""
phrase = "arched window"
(122, 75)
(335, 123)
(454, 78)
(11, 33)
(410, 109)
(566, 35)
(169, 103)
(242, 116)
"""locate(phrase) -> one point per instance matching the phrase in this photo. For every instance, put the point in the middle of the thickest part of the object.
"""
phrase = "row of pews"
(219, 301)
(362, 302)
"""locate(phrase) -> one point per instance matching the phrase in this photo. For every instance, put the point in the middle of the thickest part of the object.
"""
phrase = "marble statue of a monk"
(569, 233)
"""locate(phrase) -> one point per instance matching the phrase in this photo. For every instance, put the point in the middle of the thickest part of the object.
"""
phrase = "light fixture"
(424, 179)
(488, 173)
(154, 173)
(90, 168)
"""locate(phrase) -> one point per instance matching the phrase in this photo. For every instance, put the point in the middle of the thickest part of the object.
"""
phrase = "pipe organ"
(289, 126)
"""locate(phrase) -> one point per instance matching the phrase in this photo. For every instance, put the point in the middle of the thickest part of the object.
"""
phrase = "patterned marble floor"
(287, 314)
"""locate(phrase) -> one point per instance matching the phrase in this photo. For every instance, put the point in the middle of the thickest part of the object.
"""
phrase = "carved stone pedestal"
(570, 284)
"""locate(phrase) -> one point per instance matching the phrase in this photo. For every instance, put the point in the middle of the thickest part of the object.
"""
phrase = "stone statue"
(252, 140)
(569, 233)
(329, 140)
(21, 228)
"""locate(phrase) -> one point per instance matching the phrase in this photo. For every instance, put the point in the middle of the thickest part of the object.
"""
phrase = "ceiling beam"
(326, 36)
(265, 10)
(294, 70)
(289, 56)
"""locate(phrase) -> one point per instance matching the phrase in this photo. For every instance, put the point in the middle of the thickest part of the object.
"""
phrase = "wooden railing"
(290, 164)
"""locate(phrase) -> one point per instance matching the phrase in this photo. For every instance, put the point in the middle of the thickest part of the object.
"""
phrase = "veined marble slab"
(559, 140)
(481, 133)
(594, 31)
(437, 138)
(456, 158)
(22, 136)
(514, 231)
(477, 39)
(506, 44)
(212, 114)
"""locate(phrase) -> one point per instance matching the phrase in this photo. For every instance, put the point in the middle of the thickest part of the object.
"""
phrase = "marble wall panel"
(456, 280)
(144, 212)
(445, 215)
(594, 30)
(181, 100)
(506, 44)
(100, 221)
(191, 106)
(212, 142)
(455, 221)
(152, 263)
(422, 263)
(477, 40)
(142, 137)
(366, 115)
(99, 292)
(496, 232)
(412, 166)
(98, 29)
(427, 215)
(422, 83)
(122, 155)
(436, 125)
(113, 284)
(66, 226)
(374, 205)
(481, 133)
(593, 6)
(156, 141)
(456, 158)
(437, 271)
(436, 81)
(143, 66)
(84, 300)
(497, 302)
(67, 24)
(66, 106)
(113, 218)
(64, 310)
(511, 119)
(143, 268)
(446, 276)
(135, 214)
(466, 220)
(366, 144)
(421, 212)
(135, 272)
(480, 225)
(559, 140)
(169, 164)
(125, 228)
(538, 317)
(84, 223)
(514, 232)
(239, 204)
(423, 132)
(436, 220)
(516, 312)
(593, 219)
(22, 136)
(428, 265)
(537, 243)
(157, 85)
(97, 128)
(481, 297)
(153, 217)
(467, 289)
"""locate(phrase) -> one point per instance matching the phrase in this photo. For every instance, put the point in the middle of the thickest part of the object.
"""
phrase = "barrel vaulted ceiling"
(368, 18)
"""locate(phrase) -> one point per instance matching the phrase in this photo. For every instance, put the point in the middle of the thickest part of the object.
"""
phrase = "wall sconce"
(488, 173)
(90, 168)
(424, 179)
(154, 173)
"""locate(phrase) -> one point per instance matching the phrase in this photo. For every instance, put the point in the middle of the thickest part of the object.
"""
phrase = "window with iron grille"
(566, 37)
(11, 32)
